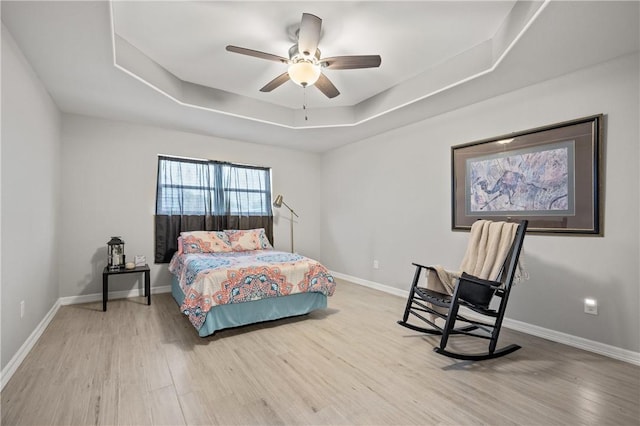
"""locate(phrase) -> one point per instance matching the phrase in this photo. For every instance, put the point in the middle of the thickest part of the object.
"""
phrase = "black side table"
(105, 281)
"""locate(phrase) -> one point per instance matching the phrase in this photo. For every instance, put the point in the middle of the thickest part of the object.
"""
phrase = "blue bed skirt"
(237, 314)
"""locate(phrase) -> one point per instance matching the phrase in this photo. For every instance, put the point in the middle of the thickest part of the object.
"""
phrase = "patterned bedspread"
(210, 279)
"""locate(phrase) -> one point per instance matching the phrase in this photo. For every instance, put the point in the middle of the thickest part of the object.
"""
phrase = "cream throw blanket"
(489, 244)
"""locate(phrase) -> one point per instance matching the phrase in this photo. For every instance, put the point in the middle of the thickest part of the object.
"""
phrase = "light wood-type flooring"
(350, 364)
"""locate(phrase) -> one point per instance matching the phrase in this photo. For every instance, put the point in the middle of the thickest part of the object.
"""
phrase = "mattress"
(229, 289)
(238, 314)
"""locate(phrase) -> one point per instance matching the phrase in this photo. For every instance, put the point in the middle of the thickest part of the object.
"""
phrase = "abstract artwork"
(537, 181)
(549, 176)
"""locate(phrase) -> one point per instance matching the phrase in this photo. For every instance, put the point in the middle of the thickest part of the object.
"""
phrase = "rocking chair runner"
(470, 292)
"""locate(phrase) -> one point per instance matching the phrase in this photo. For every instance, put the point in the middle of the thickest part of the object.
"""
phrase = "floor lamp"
(277, 204)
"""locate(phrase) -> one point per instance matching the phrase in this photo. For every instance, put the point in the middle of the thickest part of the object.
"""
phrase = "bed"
(224, 279)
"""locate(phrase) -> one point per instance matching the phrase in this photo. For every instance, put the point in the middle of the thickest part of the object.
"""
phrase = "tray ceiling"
(165, 63)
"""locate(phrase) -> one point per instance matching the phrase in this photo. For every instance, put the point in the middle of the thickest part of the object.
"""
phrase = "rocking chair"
(472, 293)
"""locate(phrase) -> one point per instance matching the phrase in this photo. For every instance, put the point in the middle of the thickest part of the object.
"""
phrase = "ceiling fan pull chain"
(304, 103)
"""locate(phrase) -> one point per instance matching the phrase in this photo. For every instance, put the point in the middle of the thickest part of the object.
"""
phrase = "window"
(208, 195)
(246, 190)
(202, 187)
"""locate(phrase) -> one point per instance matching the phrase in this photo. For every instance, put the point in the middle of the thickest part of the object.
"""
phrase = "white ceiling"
(189, 38)
(164, 63)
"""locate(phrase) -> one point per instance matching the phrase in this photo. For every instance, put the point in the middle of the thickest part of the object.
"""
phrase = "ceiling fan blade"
(257, 54)
(326, 86)
(309, 34)
(276, 82)
(351, 62)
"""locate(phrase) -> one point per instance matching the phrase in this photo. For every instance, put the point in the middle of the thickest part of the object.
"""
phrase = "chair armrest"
(423, 267)
(416, 276)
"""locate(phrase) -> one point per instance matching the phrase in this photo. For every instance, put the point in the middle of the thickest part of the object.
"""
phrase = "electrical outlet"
(376, 265)
(590, 306)
(22, 309)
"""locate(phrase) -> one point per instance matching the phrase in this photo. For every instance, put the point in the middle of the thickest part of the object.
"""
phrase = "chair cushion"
(476, 294)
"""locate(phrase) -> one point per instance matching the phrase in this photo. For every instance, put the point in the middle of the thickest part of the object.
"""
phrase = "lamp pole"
(292, 214)
(278, 203)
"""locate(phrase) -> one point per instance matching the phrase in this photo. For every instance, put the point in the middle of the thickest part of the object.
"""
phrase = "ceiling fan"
(305, 64)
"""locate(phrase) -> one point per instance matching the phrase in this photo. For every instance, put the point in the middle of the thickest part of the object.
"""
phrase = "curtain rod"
(177, 157)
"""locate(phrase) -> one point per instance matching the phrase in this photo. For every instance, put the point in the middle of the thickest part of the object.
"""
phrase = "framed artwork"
(549, 176)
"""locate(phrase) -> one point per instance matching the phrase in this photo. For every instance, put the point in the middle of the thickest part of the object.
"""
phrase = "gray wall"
(394, 204)
(30, 199)
(109, 181)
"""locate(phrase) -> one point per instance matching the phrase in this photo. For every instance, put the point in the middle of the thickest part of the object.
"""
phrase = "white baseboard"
(371, 284)
(534, 330)
(18, 358)
(575, 341)
(97, 297)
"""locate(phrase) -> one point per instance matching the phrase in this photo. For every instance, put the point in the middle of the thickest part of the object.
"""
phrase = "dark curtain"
(168, 228)
(202, 195)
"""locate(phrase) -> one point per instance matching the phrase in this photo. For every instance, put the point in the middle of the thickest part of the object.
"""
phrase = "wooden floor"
(350, 364)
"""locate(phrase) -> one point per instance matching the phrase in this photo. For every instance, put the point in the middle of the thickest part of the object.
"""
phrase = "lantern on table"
(116, 253)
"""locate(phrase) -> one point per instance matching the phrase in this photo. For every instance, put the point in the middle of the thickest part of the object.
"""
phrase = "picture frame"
(549, 176)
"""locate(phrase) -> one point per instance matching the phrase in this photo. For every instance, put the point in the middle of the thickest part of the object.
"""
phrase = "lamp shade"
(304, 73)
(278, 202)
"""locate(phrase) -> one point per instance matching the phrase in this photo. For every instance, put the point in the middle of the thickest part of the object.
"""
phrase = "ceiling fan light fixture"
(304, 72)
(305, 62)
